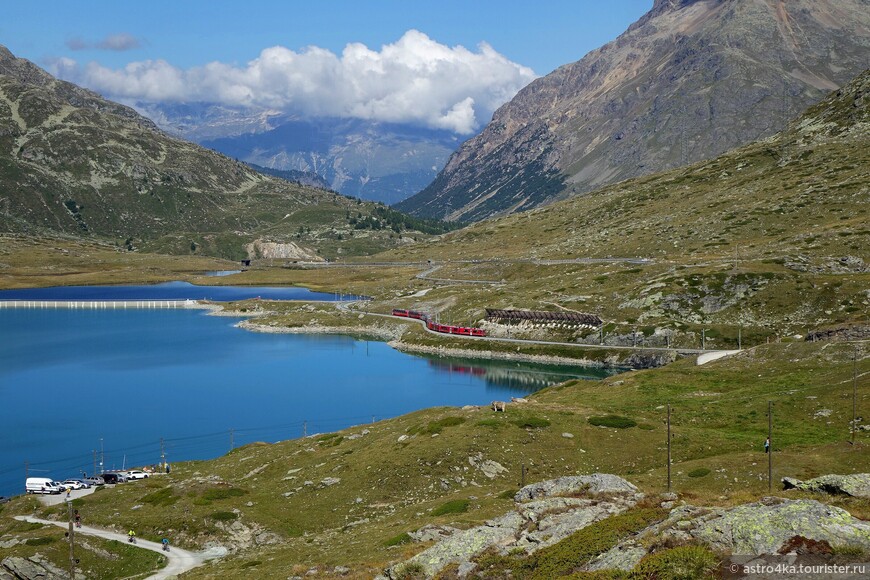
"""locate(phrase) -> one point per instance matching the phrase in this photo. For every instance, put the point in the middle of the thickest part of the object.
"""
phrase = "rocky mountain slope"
(772, 235)
(75, 164)
(366, 159)
(688, 81)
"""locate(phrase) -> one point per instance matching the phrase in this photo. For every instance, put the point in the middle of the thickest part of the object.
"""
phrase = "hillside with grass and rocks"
(571, 480)
(771, 238)
(75, 165)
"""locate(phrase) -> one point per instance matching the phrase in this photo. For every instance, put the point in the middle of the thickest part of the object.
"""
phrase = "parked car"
(94, 480)
(75, 484)
(110, 478)
(42, 485)
(136, 474)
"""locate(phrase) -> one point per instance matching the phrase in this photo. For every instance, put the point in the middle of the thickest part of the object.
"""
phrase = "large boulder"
(34, 568)
(574, 485)
(548, 513)
(461, 547)
(764, 527)
(856, 485)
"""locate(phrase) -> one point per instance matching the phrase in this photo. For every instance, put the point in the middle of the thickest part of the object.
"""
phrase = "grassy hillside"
(346, 498)
(74, 164)
(773, 236)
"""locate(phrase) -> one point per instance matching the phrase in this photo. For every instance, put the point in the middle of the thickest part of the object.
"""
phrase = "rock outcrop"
(855, 485)
(543, 517)
(35, 567)
(597, 483)
(549, 511)
(761, 528)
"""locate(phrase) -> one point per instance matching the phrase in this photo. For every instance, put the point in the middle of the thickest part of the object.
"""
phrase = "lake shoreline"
(392, 336)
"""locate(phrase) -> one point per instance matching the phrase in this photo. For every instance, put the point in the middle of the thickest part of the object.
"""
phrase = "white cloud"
(414, 80)
(119, 42)
(114, 42)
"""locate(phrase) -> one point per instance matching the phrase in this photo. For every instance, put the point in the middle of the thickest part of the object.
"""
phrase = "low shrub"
(613, 421)
(700, 472)
(219, 493)
(161, 497)
(681, 563)
(410, 571)
(398, 540)
(42, 541)
(434, 427)
(531, 422)
(457, 506)
(489, 423)
(295, 531)
(224, 516)
(507, 494)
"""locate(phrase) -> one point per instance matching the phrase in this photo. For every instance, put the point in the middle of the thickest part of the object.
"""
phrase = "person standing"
(767, 445)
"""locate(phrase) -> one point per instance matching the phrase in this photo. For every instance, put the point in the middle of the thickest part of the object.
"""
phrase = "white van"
(42, 485)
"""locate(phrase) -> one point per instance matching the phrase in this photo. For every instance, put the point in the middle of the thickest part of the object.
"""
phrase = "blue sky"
(94, 43)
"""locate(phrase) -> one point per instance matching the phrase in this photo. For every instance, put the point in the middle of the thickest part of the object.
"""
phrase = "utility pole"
(739, 338)
(770, 446)
(72, 555)
(703, 339)
(669, 447)
(162, 455)
(102, 457)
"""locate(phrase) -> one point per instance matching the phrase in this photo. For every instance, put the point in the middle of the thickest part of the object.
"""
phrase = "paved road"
(48, 499)
(180, 561)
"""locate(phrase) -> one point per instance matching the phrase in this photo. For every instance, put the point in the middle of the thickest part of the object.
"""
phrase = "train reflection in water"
(523, 378)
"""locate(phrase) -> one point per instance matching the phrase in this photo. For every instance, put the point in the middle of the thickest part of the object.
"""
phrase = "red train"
(435, 327)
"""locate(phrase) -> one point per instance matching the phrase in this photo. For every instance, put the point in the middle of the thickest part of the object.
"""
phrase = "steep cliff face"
(688, 81)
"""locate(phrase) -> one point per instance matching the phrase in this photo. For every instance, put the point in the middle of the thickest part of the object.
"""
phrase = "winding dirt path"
(179, 561)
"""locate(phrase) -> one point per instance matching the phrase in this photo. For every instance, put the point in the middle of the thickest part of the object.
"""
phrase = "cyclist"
(78, 517)
(131, 537)
(165, 543)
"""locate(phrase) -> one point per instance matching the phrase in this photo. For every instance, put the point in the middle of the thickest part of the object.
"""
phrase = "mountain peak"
(688, 81)
(660, 6)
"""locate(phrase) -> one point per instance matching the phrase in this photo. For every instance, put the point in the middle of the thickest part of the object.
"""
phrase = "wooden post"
(669, 447)
(770, 446)
(72, 556)
(854, 394)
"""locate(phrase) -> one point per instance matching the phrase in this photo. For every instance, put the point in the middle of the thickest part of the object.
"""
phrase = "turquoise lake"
(73, 380)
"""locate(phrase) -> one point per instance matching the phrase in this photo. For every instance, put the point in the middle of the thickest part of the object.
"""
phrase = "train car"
(435, 327)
